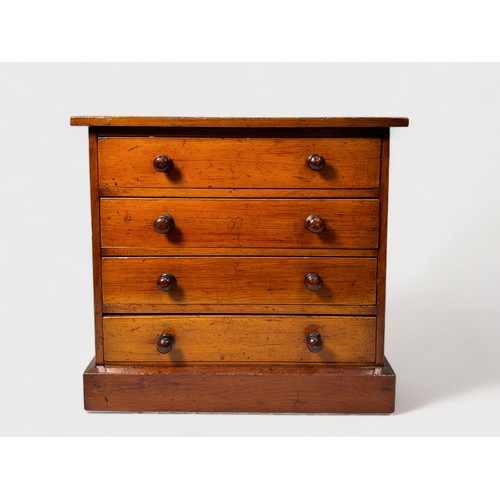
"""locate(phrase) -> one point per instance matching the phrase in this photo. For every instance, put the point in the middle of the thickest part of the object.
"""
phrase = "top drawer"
(200, 162)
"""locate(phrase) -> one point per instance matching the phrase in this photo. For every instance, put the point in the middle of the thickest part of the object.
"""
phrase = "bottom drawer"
(226, 339)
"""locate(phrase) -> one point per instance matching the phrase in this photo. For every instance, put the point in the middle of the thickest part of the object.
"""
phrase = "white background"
(442, 330)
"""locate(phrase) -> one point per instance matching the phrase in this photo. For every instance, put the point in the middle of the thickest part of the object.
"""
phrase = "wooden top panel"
(166, 121)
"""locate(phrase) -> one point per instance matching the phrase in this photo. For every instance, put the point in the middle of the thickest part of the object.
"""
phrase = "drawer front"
(238, 339)
(238, 280)
(238, 223)
(239, 163)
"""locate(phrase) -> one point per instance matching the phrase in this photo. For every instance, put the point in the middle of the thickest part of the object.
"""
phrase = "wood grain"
(271, 252)
(96, 247)
(263, 389)
(238, 280)
(238, 339)
(240, 312)
(166, 121)
(201, 162)
(326, 308)
(160, 192)
(382, 260)
(236, 223)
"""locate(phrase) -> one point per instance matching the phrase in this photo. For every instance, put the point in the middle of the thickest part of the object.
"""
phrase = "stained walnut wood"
(238, 280)
(238, 339)
(314, 342)
(165, 282)
(315, 223)
(163, 224)
(315, 162)
(163, 163)
(313, 282)
(318, 389)
(164, 343)
(201, 162)
(167, 121)
(229, 223)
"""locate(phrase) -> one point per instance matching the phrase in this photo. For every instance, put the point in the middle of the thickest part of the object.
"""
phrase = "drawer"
(238, 339)
(238, 223)
(201, 162)
(237, 280)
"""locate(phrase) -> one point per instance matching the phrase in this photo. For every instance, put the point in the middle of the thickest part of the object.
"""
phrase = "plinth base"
(240, 389)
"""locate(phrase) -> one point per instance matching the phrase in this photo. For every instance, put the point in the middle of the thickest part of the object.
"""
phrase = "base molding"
(276, 389)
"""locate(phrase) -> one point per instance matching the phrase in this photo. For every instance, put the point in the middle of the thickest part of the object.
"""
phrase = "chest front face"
(239, 264)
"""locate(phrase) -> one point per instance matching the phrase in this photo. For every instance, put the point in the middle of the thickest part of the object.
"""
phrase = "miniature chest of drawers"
(239, 264)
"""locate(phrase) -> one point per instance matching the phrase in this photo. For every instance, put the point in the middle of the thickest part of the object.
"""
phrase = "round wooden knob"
(315, 224)
(165, 282)
(314, 342)
(313, 282)
(315, 162)
(164, 224)
(163, 163)
(165, 343)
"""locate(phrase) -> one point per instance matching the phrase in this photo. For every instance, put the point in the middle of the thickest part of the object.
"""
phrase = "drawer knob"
(165, 282)
(165, 343)
(314, 342)
(315, 224)
(313, 282)
(164, 224)
(163, 163)
(315, 162)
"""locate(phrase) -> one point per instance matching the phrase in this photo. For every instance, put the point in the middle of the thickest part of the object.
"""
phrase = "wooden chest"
(239, 264)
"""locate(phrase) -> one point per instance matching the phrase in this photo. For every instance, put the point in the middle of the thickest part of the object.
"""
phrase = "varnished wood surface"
(238, 280)
(201, 162)
(292, 309)
(237, 223)
(152, 192)
(96, 247)
(381, 271)
(166, 121)
(238, 339)
(275, 389)
(270, 252)
(240, 293)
